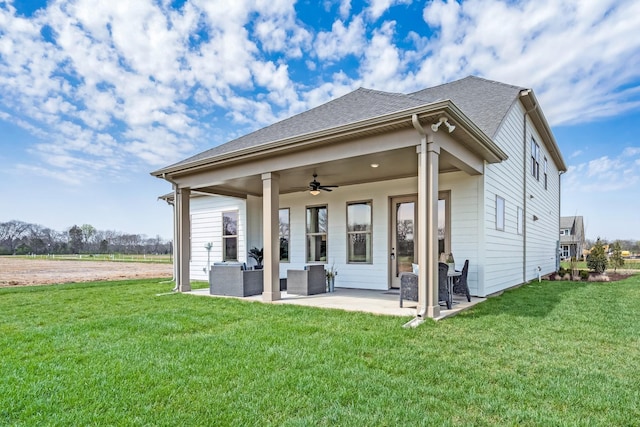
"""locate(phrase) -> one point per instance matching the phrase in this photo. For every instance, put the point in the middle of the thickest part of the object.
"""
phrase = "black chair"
(460, 285)
(443, 286)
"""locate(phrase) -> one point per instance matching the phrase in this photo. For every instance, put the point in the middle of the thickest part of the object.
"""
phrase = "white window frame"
(500, 213)
(230, 236)
(535, 159)
(367, 234)
(520, 220)
(320, 234)
(284, 232)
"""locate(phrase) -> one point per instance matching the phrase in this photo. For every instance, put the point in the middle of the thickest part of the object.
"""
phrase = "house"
(469, 167)
(572, 241)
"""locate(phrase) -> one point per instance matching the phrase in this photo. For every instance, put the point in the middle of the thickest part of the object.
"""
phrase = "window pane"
(499, 213)
(316, 248)
(230, 248)
(360, 247)
(317, 219)
(359, 216)
(284, 234)
(230, 223)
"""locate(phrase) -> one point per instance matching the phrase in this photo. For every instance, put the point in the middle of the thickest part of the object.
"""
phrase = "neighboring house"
(469, 167)
(572, 242)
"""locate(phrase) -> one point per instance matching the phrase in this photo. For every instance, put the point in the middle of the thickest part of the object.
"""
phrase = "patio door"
(404, 212)
(404, 226)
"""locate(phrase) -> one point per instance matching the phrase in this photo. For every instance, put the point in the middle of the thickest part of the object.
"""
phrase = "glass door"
(403, 236)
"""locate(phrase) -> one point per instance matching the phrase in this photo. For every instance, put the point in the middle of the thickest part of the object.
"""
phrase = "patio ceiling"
(395, 164)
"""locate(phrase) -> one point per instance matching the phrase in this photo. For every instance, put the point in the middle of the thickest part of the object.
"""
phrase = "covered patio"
(379, 302)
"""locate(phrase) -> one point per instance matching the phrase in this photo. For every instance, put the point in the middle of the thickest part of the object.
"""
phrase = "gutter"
(524, 93)
(176, 264)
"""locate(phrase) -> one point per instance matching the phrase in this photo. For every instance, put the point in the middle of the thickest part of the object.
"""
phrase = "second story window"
(535, 159)
(545, 173)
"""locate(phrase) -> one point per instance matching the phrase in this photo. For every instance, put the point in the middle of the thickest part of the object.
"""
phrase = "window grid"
(359, 232)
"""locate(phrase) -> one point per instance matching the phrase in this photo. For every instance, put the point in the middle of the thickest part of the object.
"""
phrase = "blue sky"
(96, 94)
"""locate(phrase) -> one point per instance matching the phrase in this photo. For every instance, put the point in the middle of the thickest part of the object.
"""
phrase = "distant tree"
(11, 234)
(597, 259)
(616, 257)
(76, 239)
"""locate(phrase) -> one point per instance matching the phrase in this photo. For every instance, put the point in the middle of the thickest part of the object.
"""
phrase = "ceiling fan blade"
(326, 189)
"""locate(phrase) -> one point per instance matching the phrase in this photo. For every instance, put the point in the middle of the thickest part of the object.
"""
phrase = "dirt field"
(21, 272)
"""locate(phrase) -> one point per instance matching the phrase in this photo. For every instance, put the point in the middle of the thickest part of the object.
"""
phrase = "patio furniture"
(443, 285)
(232, 279)
(310, 281)
(409, 286)
(460, 285)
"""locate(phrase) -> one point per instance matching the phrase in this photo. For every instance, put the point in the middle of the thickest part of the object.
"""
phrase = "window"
(359, 232)
(520, 220)
(283, 215)
(317, 233)
(565, 232)
(499, 213)
(230, 236)
(564, 251)
(545, 173)
(535, 159)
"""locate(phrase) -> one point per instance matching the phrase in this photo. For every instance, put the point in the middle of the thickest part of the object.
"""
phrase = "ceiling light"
(374, 165)
(315, 192)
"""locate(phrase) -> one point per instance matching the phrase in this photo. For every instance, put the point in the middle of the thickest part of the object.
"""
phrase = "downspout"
(176, 243)
(524, 185)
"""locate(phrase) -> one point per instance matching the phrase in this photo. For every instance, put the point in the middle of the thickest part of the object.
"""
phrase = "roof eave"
(530, 102)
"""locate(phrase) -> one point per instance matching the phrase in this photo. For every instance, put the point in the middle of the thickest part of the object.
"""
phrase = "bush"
(584, 275)
(597, 259)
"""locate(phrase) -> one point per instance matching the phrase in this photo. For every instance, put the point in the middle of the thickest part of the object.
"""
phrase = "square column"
(271, 235)
(182, 247)
(428, 162)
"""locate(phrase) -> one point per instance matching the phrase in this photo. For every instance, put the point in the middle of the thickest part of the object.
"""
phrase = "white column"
(183, 245)
(428, 159)
(433, 160)
(271, 236)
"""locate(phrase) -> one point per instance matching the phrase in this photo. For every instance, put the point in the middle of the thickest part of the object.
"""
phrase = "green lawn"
(550, 353)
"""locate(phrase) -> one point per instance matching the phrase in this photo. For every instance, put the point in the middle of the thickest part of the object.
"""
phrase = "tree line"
(21, 238)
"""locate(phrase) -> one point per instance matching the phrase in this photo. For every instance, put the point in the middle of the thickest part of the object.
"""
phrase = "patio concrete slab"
(363, 300)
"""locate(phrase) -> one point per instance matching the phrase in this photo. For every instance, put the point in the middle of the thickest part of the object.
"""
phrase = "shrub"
(597, 259)
(584, 274)
(616, 256)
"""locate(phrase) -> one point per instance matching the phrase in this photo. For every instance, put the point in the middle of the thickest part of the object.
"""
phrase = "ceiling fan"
(315, 186)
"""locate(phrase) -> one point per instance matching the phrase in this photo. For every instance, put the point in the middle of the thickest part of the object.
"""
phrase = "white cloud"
(569, 51)
(605, 174)
(341, 41)
(378, 7)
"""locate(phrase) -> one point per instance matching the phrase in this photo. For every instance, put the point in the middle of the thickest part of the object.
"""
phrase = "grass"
(116, 353)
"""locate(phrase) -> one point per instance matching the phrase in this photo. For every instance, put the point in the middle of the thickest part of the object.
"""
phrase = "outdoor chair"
(409, 286)
(310, 281)
(460, 285)
(443, 285)
(232, 279)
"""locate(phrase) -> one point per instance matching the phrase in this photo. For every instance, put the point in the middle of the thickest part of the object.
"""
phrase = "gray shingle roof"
(485, 102)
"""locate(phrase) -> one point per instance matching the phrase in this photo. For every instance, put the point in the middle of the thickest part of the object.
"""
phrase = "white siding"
(504, 256)
(465, 219)
(206, 226)
(362, 276)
